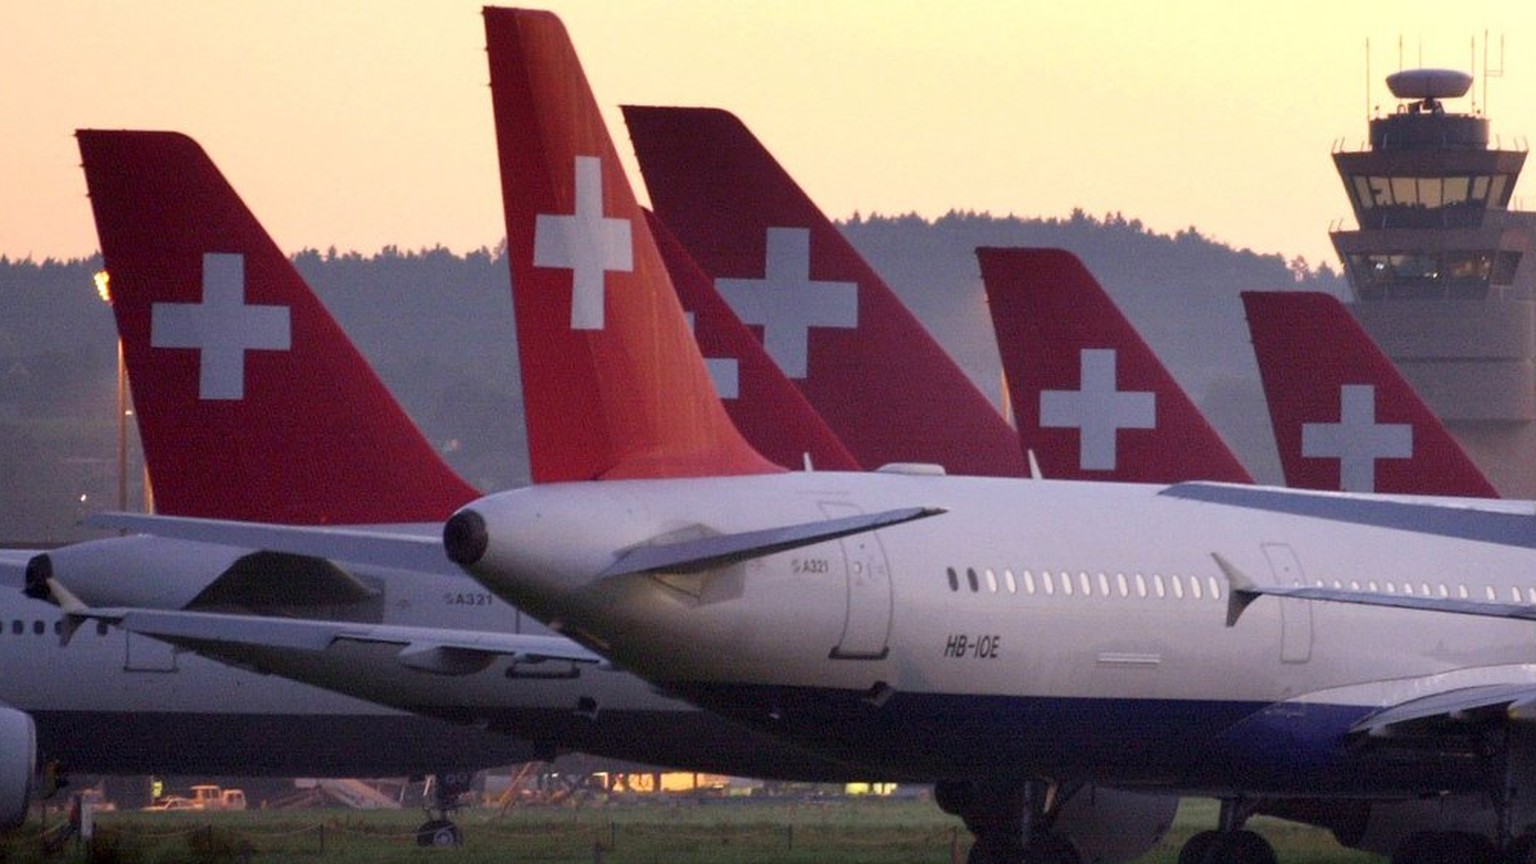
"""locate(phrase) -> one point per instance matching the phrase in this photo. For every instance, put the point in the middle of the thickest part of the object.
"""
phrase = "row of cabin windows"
(1425, 589)
(41, 628)
(1178, 587)
(1083, 584)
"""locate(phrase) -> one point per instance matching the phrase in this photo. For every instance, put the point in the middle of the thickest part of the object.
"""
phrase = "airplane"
(1084, 818)
(410, 631)
(1344, 418)
(1011, 641)
(113, 702)
(828, 320)
(1091, 400)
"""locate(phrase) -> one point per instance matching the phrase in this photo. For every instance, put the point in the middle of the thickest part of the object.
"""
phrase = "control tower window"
(1498, 187)
(1505, 263)
(1462, 267)
(1431, 191)
(1457, 190)
(1378, 192)
(1450, 275)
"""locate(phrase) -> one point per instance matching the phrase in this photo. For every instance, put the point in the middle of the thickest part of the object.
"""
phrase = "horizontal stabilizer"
(722, 550)
(421, 551)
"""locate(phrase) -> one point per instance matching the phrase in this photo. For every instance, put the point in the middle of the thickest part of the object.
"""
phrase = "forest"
(437, 326)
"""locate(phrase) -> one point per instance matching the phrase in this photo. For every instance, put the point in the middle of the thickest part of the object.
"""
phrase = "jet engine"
(1100, 825)
(1387, 827)
(1106, 825)
(193, 575)
(18, 765)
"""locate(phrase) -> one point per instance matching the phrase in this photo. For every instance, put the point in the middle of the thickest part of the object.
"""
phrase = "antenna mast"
(1490, 73)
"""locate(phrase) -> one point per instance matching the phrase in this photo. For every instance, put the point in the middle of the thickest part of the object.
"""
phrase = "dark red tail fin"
(865, 363)
(613, 383)
(770, 411)
(1343, 416)
(1090, 398)
(251, 402)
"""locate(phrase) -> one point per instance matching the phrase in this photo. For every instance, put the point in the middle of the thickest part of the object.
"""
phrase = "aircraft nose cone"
(465, 538)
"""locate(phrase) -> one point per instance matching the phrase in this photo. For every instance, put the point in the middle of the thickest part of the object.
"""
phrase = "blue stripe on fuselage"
(1172, 743)
(1445, 520)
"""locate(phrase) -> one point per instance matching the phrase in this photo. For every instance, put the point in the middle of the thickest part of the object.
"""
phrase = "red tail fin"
(864, 362)
(770, 411)
(613, 384)
(251, 402)
(1090, 398)
(1343, 416)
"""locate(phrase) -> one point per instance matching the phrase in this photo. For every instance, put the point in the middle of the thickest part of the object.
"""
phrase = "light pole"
(103, 289)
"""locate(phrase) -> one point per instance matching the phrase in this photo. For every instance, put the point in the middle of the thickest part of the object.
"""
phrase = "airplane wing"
(721, 550)
(1466, 706)
(421, 549)
(1244, 590)
(436, 650)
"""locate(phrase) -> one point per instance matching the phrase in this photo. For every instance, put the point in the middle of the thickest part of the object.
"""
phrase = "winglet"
(1241, 589)
(1327, 384)
(1089, 396)
(251, 401)
(613, 382)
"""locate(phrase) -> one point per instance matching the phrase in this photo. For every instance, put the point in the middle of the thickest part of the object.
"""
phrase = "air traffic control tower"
(1443, 272)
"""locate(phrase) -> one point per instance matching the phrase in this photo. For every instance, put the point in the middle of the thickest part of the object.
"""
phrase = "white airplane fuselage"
(111, 702)
(530, 709)
(1037, 628)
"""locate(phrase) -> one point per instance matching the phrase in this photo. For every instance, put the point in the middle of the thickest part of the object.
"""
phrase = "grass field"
(711, 831)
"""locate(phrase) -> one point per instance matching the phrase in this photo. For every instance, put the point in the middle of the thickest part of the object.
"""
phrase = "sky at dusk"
(363, 124)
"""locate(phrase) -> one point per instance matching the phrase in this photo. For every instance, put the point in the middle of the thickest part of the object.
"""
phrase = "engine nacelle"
(100, 572)
(1106, 825)
(191, 575)
(1382, 826)
(18, 765)
(1103, 825)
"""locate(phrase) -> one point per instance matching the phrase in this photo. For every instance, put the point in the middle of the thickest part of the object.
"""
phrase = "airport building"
(1442, 270)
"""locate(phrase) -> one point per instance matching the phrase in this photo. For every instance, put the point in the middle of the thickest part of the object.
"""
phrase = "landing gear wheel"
(991, 849)
(1196, 846)
(1050, 848)
(1239, 847)
(439, 834)
(1454, 847)
(1521, 850)
(954, 797)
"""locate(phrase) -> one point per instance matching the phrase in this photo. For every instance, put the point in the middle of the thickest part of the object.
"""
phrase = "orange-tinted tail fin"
(613, 383)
